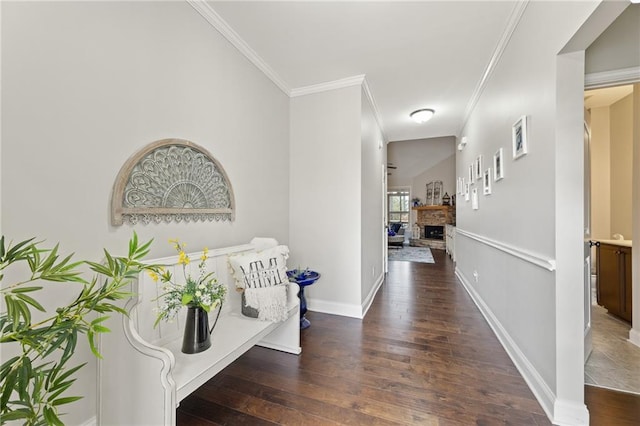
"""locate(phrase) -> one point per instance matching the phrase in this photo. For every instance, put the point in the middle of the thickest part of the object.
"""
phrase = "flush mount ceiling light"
(422, 115)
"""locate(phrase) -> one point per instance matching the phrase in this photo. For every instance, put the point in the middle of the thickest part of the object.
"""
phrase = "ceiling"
(606, 97)
(416, 54)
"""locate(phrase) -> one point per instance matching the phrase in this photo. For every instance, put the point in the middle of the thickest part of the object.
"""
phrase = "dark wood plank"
(423, 355)
(610, 407)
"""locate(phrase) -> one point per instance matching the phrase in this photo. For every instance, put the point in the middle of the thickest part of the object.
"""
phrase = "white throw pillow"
(260, 269)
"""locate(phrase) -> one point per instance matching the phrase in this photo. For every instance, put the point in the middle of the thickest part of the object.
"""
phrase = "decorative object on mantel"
(201, 295)
(415, 201)
(434, 193)
(303, 277)
(446, 199)
(171, 180)
(519, 139)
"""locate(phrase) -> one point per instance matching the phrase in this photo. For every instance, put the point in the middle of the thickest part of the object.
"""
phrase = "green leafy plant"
(33, 383)
(204, 290)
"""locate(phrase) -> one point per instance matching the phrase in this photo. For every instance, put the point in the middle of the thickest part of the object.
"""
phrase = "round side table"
(303, 279)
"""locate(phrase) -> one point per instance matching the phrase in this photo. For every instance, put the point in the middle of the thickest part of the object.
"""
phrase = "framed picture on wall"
(474, 199)
(486, 182)
(519, 141)
(467, 190)
(478, 167)
(498, 166)
(471, 173)
(429, 196)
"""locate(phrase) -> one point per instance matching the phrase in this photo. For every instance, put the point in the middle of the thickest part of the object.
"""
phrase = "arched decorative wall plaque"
(171, 180)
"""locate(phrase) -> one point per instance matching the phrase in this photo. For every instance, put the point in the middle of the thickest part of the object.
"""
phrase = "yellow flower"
(173, 240)
(153, 275)
(183, 258)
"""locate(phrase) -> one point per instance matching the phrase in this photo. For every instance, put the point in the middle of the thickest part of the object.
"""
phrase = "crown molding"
(512, 24)
(356, 80)
(210, 15)
(374, 107)
(216, 21)
(597, 80)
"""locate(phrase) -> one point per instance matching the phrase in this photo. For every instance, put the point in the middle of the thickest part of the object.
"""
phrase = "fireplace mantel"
(432, 208)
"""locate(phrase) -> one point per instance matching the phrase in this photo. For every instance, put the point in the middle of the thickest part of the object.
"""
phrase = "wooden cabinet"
(614, 279)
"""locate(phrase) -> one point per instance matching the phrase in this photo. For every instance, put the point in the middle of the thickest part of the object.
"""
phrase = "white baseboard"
(538, 386)
(634, 336)
(568, 413)
(366, 304)
(335, 308)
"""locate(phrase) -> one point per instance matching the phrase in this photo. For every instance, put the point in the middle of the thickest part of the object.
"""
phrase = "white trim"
(536, 383)
(512, 24)
(355, 80)
(335, 308)
(569, 413)
(634, 337)
(203, 8)
(366, 304)
(596, 80)
(374, 107)
(520, 253)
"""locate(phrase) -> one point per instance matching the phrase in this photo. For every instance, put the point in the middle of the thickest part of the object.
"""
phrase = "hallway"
(423, 355)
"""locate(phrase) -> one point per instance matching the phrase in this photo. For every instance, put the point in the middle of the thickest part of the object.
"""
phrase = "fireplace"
(434, 232)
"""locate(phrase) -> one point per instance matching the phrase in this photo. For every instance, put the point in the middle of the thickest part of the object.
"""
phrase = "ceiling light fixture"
(422, 115)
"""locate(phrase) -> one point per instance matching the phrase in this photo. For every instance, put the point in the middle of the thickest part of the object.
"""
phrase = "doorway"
(613, 361)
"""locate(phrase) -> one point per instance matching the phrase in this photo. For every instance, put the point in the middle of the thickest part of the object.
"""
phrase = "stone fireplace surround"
(432, 216)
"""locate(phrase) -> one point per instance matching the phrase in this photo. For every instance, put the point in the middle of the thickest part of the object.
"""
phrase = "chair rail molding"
(538, 260)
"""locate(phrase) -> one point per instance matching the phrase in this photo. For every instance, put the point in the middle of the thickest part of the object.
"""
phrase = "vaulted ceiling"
(428, 54)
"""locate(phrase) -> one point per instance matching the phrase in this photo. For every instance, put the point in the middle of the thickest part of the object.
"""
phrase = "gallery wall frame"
(486, 182)
(519, 138)
(478, 167)
(498, 165)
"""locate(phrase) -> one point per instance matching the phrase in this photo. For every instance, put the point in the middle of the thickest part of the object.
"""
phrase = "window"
(398, 206)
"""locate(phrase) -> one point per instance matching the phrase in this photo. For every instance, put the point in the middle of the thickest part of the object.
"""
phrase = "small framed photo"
(519, 137)
(474, 199)
(478, 167)
(486, 182)
(498, 166)
(471, 172)
(467, 191)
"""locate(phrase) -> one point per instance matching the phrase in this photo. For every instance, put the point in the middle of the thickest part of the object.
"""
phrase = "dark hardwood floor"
(423, 355)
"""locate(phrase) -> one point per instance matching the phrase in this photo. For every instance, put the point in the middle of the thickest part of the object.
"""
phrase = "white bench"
(143, 375)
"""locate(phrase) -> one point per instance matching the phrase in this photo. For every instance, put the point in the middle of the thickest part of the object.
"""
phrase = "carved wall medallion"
(171, 180)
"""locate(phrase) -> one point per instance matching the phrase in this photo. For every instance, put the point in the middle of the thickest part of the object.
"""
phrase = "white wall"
(621, 165)
(600, 174)
(617, 47)
(326, 199)
(444, 171)
(373, 199)
(510, 242)
(85, 85)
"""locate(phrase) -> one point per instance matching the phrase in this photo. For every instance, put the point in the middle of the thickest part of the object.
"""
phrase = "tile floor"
(614, 362)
